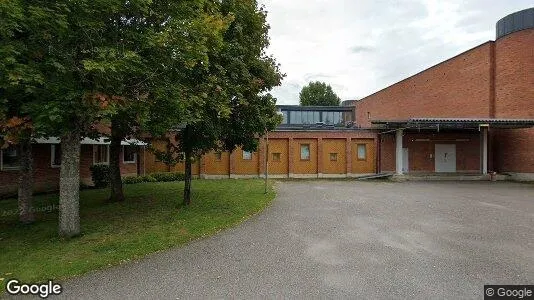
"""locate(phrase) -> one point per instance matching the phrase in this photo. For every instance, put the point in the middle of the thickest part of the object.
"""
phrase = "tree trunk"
(187, 185)
(69, 185)
(26, 182)
(115, 180)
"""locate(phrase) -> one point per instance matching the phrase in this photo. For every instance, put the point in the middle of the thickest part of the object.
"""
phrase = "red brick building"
(47, 162)
(472, 113)
(484, 96)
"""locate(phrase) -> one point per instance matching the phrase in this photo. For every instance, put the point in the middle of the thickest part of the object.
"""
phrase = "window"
(10, 158)
(129, 155)
(100, 154)
(333, 156)
(247, 155)
(347, 116)
(296, 117)
(305, 152)
(316, 117)
(276, 156)
(218, 156)
(328, 117)
(310, 117)
(362, 152)
(337, 117)
(368, 116)
(55, 155)
(285, 117)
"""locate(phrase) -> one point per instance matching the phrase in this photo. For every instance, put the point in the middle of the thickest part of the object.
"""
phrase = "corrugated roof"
(456, 123)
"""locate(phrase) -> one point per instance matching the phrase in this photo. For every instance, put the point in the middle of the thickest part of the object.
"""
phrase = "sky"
(362, 46)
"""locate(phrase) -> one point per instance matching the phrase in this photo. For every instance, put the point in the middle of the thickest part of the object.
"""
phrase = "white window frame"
(94, 155)
(53, 156)
(249, 155)
(124, 161)
(2, 168)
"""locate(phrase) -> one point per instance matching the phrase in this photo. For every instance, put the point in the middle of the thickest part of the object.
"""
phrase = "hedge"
(156, 177)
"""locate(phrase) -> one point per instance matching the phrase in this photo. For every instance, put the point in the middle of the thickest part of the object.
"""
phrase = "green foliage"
(100, 175)
(132, 179)
(155, 177)
(234, 105)
(318, 94)
(166, 177)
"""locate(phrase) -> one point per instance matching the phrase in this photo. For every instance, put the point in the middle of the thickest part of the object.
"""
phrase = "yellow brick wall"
(278, 146)
(369, 164)
(334, 146)
(304, 166)
(246, 167)
(212, 166)
(153, 166)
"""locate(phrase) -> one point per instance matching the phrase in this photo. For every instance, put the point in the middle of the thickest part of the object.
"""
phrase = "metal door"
(445, 158)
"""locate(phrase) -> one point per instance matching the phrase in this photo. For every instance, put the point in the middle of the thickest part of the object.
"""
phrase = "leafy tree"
(24, 27)
(318, 94)
(100, 59)
(165, 39)
(233, 110)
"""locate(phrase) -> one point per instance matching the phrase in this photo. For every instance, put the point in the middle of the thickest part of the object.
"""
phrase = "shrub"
(156, 177)
(132, 179)
(166, 177)
(100, 175)
(149, 178)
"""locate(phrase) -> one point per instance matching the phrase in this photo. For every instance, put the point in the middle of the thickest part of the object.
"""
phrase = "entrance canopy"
(453, 123)
(443, 156)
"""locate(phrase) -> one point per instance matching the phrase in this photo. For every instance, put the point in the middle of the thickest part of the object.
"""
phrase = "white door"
(405, 160)
(445, 158)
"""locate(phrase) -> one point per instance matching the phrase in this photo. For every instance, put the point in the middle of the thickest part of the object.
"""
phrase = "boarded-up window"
(247, 155)
(333, 156)
(362, 152)
(276, 156)
(305, 151)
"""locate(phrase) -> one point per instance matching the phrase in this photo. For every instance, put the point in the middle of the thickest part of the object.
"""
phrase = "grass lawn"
(151, 219)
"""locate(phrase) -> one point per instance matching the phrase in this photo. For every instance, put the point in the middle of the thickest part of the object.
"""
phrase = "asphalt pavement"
(346, 239)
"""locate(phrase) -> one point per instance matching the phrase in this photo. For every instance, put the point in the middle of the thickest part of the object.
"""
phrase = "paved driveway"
(348, 239)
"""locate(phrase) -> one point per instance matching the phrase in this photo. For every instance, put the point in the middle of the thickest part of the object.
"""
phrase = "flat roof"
(315, 108)
(454, 123)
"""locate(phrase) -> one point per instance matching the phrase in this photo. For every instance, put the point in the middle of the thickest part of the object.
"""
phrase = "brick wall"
(46, 177)
(458, 87)
(514, 98)
(338, 163)
(493, 80)
(365, 164)
(279, 146)
(421, 154)
(287, 146)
